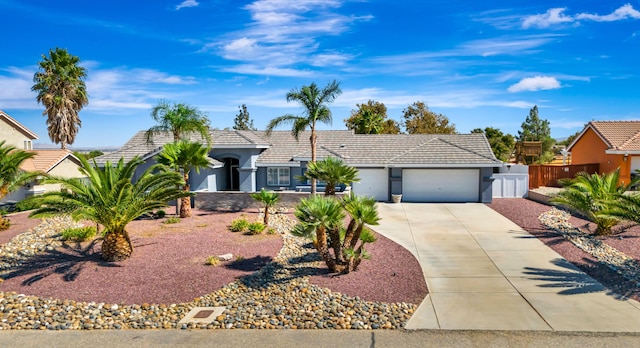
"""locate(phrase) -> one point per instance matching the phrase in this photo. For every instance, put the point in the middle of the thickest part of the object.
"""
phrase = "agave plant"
(591, 195)
(321, 219)
(269, 199)
(109, 197)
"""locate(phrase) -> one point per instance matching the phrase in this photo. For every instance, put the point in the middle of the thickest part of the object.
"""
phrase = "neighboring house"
(55, 162)
(14, 133)
(611, 144)
(421, 167)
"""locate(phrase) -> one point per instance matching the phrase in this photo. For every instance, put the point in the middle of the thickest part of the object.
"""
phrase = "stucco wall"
(66, 169)
(591, 149)
(12, 136)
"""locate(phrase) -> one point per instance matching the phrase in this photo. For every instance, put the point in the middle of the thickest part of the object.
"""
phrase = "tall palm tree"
(333, 171)
(591, 195)
(109, 197)
(61, 89)
(182, 157)
(11, 176)
(268, 199)
(314, 101)
(179, 120)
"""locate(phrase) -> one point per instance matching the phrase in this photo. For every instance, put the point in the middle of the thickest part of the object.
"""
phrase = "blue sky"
(481, 63)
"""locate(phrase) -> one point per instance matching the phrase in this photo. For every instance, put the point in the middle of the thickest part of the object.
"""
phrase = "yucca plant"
(109, 197)
(592, 195)
(321, 219)
(268, 199)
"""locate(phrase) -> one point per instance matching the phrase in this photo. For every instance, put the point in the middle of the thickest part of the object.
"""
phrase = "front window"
(278, 176)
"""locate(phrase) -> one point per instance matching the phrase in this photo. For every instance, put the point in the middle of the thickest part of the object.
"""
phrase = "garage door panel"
(440, 185)
(373, 183)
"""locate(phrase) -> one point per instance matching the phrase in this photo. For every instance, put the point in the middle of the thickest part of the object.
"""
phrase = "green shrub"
(26, 204)
(271, 230)
(160, 214)
(212, 261)
(239, 225)
(79, 234)
(172, 220)
(255, 228)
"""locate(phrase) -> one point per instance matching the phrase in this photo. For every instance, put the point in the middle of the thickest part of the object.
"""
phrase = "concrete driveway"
(485, 273)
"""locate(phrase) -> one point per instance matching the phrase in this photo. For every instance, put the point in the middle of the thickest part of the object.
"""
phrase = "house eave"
(622, 152)
(286, 164)
(239, 146)
(445, 165)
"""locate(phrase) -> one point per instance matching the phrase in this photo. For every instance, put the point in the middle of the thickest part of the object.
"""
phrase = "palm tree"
(182, 157)
(61, 89)
(591, 196)
(109, 197)
(179, 120)
(11, 176)
(314, 101)
(320, 218)
(269, 199)
(333, 171)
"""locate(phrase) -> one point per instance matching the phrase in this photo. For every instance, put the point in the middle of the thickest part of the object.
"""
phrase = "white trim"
(266, 165)
(214, 146)
(622, 152)
(589, 125)
(445, 165)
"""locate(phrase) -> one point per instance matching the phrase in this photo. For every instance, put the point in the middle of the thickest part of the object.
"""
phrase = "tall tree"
(418, 119)
(108, 196)
(179, 120)
(536, 129)
(371, 118)
(501, 144)
(62, 91)
(182, 157)
(243, 121)
(314, 101)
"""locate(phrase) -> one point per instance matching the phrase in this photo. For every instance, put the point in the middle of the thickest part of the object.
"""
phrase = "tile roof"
(10, 120)
(618, 135)
(45, 160)
(355, 149)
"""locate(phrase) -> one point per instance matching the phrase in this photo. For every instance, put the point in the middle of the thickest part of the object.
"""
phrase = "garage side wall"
(486, 184)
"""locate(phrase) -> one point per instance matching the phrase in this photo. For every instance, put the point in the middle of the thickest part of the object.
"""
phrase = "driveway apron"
(486, 273)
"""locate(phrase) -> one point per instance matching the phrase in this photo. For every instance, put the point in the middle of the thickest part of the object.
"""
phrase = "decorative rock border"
(614, 259)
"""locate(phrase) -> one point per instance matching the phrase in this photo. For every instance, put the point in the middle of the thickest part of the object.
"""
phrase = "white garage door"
(373, 183)
(440, 185)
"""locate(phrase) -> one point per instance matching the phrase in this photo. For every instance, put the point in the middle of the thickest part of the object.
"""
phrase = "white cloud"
(251, 69)
(536, 83)
(556, 16)
(187, 3)
(15, 88)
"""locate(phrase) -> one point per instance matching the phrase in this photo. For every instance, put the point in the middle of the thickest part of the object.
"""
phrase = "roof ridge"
(631, 139)
(599, 133)
(409, 150)
(244, 136)
(471, 151)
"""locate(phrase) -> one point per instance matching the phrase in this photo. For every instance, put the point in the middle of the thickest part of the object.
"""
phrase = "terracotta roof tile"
(45, 160)
(619, 135)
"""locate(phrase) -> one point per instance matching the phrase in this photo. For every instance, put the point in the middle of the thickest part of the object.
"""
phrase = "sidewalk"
(486, 273)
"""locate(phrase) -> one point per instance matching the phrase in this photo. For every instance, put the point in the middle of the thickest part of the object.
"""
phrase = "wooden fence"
(544, 175)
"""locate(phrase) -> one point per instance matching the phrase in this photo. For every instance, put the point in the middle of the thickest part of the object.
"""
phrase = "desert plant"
(255, 228)
(271, 231)
(26, 204)
(239, 225)
(108, 196)
(4, 224)
(591, 195)
(212, 261)
(332, 171)
(321, 218)
(79, 234)
(160, 214)
(171, 220)
(269, 199)
(11, 176)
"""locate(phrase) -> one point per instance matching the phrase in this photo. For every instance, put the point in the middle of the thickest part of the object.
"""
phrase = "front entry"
(232, 176)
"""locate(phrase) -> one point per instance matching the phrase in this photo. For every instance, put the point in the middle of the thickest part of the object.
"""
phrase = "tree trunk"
(323, 250)
(313, 139)
(336, 245)
(185, 202)
(266, 215)
(348, 236)
(116, 246)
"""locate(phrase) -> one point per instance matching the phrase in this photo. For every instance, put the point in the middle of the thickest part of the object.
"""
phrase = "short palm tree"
(591, 195)
(321, 217)
(314, 101)
(61, 89)
(11, 176)
(333, 171)
(182, 157)
(268, 199)
(109, 197)
(179, 120)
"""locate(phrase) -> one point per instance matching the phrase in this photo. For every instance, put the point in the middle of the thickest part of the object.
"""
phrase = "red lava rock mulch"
(20, 222)
(625, 238)
(167, 266)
